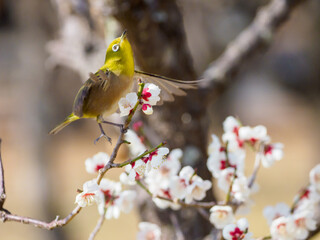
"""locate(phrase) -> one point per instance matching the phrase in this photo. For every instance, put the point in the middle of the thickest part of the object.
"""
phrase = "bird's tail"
(66, 122)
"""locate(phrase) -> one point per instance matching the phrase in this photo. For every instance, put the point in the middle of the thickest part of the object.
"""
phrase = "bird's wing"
(100, 79)
(169, 87)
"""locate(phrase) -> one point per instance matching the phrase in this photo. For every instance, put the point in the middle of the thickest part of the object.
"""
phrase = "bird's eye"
(115, 47)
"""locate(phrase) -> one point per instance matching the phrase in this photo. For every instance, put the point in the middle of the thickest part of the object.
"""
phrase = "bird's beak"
(124, 35)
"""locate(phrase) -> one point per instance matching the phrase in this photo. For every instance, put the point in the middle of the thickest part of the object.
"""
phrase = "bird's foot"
(103, 136)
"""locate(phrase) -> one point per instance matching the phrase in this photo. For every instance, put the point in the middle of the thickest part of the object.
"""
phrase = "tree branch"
(5, 216)
(98, 227)
(258, 34)
(2, 186)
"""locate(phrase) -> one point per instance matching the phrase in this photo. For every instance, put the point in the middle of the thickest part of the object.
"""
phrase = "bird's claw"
(105, 136)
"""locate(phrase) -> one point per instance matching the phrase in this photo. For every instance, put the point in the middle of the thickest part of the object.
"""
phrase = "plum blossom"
(240, 189)
(114, 200)
(163, 204)
(197, 189)
(271, 153)
(136, 146)
(307, 200)
(89, 195)
(220, 216)
(282, 228)
(315, 177)
(160, 178)
(238, 231)
(127, 104)
(279, 210)
(226, 178)
(188, 185)
(149, 97)
(219, 160)
(231, 128)
(253, 134)
(304, 223)
(135, 171)
(148, 231)
(179, 184)
(98, 161)
(155, 159)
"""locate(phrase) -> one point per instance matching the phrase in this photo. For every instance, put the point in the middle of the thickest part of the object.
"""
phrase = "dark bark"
(157, 34)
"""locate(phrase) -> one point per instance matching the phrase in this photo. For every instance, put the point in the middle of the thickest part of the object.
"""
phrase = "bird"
(100, 94)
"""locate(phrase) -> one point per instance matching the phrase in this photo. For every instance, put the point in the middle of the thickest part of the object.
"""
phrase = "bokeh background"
(47, 49)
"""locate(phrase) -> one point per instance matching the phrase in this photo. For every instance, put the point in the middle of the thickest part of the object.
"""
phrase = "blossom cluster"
(295, 223)
(149, 98)
(108, 195)
(226, 160)
(165, 179)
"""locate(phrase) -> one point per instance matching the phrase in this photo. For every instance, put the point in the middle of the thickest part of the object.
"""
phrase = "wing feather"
(169, 87)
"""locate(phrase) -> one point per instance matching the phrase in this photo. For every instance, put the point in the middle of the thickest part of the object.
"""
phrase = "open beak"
(123, 36)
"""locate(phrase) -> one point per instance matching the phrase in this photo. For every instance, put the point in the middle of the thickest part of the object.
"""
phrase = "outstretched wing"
(100, 79)
(169, 87)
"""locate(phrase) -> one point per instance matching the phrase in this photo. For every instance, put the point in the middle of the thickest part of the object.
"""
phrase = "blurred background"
(47, 49)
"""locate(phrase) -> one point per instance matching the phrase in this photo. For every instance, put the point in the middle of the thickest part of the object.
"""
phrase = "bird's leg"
(103, 134)
(101, 120)
(113, 124)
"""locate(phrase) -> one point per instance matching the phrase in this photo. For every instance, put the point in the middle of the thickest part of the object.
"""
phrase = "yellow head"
(119, 57)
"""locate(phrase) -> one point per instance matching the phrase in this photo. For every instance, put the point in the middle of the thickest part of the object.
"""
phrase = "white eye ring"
(115, 47)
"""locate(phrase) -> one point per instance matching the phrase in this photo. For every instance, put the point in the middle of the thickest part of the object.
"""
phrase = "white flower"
(221, 216)
(217, 161)
(197, 189)
(135, 170)
(126, 200)
(160, 178)
(114, 199)
(282, 228)
(237, 231)
(89, 195)
(240, 189)
(136, 146)
(271, 153)
(280, 210)
(163, 204)
(148, 231)
(231, 128)
(147, 109)
(303, 224)
(156, 158)
(150, 94)
(254, 134)
(178, 184)
(97, 162)
(127, 104)
(230, 124)
(125, 179)
(225, 179)
(315, 177)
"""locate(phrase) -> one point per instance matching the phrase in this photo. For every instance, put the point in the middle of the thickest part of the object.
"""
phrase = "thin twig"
(98, 226)
(120, 141)
(5, 216)
(2, 186)
(257, 164)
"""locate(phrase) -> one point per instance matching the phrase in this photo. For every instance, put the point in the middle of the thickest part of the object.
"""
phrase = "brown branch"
(98, 227)
(2, 186)
(5, 216)
(258, 34)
